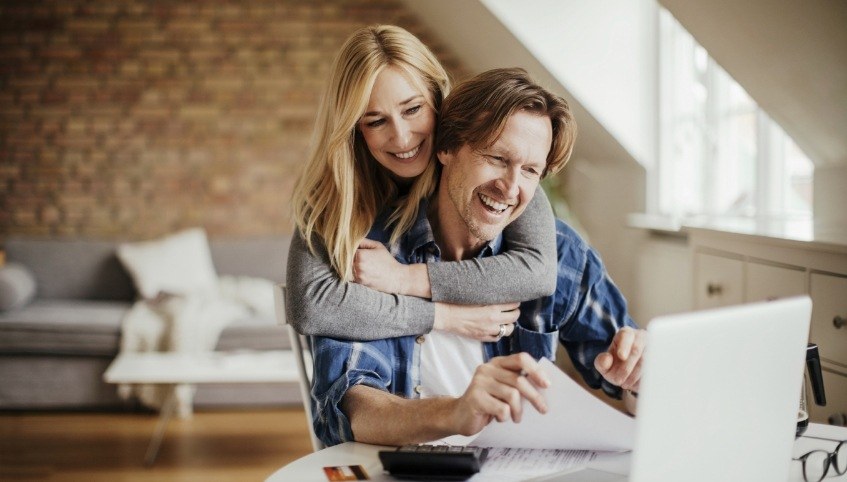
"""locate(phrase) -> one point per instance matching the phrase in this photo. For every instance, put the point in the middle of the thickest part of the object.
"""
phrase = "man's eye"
(497, 160)
(413, 110)
(532, 172)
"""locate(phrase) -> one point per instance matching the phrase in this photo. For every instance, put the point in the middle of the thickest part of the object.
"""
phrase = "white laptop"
(719, 396)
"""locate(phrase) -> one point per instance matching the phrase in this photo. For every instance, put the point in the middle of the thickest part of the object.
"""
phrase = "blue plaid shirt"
(584, 313)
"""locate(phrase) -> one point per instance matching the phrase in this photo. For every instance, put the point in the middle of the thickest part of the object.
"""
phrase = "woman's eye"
(375, 123)
(413, 110)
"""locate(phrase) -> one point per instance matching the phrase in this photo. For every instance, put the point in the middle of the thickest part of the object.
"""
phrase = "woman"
(372, 150)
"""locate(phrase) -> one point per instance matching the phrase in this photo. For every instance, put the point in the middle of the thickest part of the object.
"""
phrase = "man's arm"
(380, 418)
(603, 342)
(496, 392)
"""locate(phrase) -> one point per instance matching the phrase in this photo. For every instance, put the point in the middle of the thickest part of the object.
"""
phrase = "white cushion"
(178, 264)
(17, 286)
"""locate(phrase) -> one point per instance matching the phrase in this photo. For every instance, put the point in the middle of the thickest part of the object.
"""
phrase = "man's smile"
(493, 205)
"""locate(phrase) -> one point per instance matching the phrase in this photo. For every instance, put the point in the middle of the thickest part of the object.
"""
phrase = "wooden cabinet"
(720, 280)
(829, 317)
(765, 282)
(836, 393)
(737, 268)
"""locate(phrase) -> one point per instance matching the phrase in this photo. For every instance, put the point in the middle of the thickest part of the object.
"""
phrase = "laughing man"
(498, 135)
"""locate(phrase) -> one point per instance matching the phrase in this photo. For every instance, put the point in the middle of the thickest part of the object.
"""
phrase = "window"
(720, 154)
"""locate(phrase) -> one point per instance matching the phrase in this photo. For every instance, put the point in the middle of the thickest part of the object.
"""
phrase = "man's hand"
(496, 392)
(480, 322)
(621, 365)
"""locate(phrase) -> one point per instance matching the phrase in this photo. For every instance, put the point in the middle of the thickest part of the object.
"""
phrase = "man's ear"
(445, 157)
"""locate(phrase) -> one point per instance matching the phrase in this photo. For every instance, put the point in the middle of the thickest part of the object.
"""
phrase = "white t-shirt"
(448, 363)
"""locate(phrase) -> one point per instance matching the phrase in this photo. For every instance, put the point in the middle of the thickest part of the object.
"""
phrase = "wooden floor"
(240, 445)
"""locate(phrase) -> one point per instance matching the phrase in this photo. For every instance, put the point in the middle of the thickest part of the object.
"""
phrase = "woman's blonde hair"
(343, 188)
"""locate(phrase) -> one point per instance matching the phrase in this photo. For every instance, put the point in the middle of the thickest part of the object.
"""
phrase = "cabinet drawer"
(766, 282)
(835, 386)
(829, 297)
(719, 281)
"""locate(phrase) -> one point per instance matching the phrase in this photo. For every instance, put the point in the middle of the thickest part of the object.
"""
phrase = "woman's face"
(399, 125)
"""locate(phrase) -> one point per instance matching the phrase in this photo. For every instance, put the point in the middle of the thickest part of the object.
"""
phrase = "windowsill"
(797, 230)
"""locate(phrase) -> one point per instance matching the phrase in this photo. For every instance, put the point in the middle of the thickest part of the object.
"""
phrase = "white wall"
(604, 52)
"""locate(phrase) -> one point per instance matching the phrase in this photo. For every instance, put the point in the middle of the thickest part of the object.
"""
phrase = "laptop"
(719, 396)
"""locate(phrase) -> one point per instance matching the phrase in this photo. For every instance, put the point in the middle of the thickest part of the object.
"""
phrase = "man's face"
(490, 187)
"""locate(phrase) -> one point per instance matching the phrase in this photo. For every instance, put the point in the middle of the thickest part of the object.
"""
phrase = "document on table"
(506, 464)
(575, 420)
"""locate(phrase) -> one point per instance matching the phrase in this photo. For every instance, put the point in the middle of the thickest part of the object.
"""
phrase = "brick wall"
(131, 119)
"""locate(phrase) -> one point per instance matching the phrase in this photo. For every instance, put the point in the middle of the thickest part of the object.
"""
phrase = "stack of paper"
(575, 420)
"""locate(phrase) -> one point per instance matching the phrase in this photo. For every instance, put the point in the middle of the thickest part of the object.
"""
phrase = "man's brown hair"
(475, 113)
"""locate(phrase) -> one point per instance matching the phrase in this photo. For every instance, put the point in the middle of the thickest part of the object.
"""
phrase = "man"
(498, 135)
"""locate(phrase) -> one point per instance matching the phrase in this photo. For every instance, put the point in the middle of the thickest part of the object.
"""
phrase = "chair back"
(302, 347)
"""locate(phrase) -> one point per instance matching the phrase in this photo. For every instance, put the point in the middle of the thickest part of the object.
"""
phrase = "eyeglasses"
(817, 462)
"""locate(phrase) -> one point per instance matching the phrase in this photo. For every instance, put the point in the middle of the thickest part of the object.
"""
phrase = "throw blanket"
(189, 324)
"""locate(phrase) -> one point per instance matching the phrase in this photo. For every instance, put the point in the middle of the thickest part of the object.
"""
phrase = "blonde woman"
(372, 155)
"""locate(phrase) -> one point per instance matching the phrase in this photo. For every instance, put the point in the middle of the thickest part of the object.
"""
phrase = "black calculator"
(433, 462)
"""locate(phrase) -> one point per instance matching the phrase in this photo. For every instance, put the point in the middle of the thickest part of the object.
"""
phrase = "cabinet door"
(829, 313)
(766, 282)
(835, 387)
(719, 281)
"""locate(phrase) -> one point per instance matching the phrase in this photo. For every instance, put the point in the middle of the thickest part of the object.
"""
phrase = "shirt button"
(420, 339)
(418, 389)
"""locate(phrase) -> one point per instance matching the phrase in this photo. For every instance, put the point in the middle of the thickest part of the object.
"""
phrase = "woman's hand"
(374, 267)
(478, 322)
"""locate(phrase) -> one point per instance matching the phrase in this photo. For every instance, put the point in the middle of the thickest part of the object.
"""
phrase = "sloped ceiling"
(482, 42)
(790, 56)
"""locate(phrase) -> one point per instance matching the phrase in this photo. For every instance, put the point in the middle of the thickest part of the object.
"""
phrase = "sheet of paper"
(575, 419)
(508, 464)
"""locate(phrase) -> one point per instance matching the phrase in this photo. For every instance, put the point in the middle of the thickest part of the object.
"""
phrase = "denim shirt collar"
(418, 243)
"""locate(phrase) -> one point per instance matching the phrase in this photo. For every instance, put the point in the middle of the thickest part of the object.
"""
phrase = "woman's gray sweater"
(319, 303)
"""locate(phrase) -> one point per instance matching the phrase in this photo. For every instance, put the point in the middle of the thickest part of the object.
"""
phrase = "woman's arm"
(526, 270)
(319, 303)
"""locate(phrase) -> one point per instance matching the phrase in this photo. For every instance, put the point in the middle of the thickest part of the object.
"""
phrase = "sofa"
(63, 301)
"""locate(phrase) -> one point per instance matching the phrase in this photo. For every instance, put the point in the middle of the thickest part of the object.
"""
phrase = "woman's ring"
(502, 332)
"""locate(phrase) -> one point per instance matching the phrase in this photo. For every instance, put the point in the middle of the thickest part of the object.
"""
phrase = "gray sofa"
(55, 347)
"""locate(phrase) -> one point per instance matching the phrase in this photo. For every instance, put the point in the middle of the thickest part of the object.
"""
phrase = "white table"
(174, 369)
(310, 467)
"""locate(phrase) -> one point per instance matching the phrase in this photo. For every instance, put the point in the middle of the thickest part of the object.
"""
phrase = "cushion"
(17, 286)
(178, 264)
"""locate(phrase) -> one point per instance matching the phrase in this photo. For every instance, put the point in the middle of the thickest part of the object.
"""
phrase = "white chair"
(301, 347)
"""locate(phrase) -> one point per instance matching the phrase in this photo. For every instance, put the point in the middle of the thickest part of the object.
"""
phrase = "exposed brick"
(87, 25)
(135, 118)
